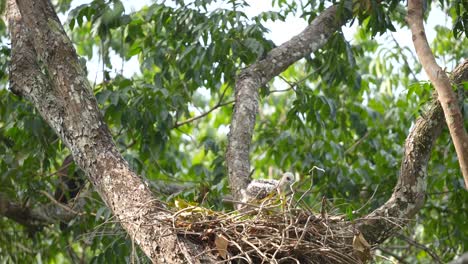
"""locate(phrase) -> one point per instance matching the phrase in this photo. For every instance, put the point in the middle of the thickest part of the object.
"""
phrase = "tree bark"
(45, 70)
(441, 82)
(259, 74)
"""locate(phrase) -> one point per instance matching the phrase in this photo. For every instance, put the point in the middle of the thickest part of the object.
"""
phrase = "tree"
(130, 135)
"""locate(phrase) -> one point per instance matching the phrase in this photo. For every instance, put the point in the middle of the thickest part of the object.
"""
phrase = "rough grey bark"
(260, 73)
(409, 193)
(463, 259)
(45, 70)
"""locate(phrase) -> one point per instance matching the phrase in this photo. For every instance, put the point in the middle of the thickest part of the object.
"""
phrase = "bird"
(261, 188)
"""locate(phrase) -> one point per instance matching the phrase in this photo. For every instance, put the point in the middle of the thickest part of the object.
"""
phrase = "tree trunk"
(46, 71)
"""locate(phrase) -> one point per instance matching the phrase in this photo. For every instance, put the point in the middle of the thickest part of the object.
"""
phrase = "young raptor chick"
(259, 189)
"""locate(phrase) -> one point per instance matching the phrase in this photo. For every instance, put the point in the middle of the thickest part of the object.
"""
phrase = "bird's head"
(286, 180)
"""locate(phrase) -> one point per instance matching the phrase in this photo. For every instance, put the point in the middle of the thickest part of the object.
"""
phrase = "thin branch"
(390, 253)
(217, 105)
(367, 202)
(293, 85)
(403, 57)
(429, 251)
(281, 90)
(357, 143)
(63, 206)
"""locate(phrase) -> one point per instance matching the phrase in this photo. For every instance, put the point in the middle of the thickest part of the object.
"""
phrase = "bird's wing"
(259, 189)
(265, 181)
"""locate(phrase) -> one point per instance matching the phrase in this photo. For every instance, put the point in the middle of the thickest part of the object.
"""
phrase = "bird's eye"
(288, 178)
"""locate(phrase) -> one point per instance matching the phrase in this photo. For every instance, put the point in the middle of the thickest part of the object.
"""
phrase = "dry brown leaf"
(221, 245)
(361, 247)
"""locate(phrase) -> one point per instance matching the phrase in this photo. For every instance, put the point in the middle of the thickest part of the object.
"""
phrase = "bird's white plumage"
(259, 189)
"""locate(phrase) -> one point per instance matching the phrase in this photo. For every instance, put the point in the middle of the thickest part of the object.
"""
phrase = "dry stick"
(286, 258)
(246, 253)
(255, 248)
(235, 257)
(283, 233)
(303, 232)
(311, 171)
(441, 82)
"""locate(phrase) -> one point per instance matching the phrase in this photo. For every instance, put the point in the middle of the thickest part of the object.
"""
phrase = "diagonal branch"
(409, 193)
(441, 82)
(260, 73)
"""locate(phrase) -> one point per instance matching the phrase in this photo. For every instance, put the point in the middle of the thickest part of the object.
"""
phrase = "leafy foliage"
(346, 108)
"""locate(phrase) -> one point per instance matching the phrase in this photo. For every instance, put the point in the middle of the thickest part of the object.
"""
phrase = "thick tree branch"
(463, 259)
(39, 216)
(18, 213)
(441, 82)
(258, 74)
(46, 71)
(409, 193)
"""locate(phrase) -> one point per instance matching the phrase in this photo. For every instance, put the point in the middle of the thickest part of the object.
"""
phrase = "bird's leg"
(282, 198)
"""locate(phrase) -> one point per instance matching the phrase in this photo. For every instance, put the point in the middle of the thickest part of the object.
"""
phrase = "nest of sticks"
(274, 231)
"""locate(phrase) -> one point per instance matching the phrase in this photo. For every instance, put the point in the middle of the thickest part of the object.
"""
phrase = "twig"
(410, 241)
(311, 171)
(66, 208)
(303, 231)
(217, 105)
(403, 57)
(357, 143)
(296, 83)
(62, 168)
(389, 252)
(281, 90)
(255, 247)
(368, 201)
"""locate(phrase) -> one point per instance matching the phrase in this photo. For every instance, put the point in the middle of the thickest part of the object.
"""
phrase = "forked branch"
(259, 74)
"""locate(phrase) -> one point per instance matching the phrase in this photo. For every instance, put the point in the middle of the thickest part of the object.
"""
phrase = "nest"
(274, 231)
